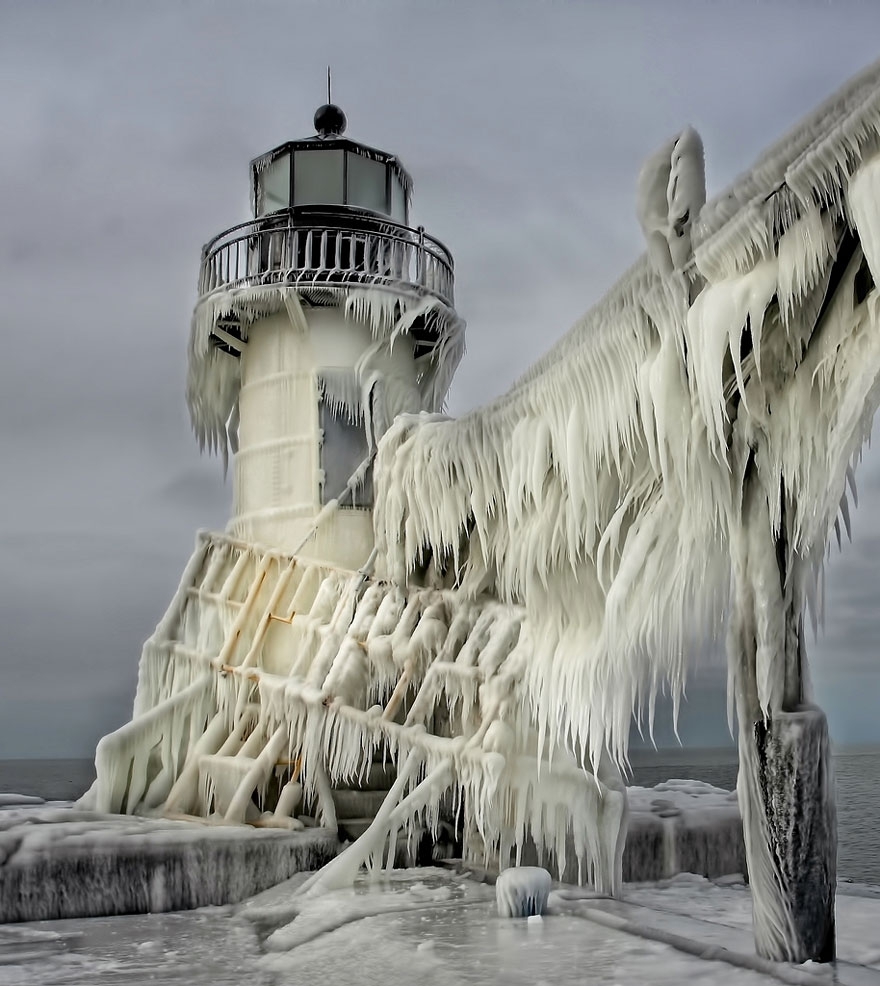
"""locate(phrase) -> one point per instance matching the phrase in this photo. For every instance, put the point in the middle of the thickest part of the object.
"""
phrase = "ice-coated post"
(522, 891)
(796, 786)
(785, 785)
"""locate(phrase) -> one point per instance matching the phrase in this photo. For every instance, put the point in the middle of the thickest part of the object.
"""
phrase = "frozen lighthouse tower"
(318, 321)
(541, 565)
(299, 676)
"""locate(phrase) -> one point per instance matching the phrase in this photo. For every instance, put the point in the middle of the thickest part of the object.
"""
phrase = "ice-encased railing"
(603, 497)
(691, 438)
(269, 669)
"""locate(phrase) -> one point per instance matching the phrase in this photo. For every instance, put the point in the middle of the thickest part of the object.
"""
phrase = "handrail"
(321, 247)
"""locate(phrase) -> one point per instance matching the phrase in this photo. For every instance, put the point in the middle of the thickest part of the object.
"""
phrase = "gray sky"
(126, 132)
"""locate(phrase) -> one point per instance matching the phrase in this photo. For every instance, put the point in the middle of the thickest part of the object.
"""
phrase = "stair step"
(358, 804)
(353, 828)
(379, 777)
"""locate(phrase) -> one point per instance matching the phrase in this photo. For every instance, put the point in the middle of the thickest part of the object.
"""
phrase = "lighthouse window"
(366, 183)
(317, 178)
(398, 200)
(275, 184)
(343, 449)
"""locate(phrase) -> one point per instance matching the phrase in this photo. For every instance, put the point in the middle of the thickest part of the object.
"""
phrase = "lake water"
(857, 773)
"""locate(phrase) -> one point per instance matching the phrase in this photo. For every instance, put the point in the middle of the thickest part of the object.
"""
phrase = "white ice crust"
(546, 564)
(522, 891)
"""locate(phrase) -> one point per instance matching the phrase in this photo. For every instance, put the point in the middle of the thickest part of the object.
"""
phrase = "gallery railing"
(314, 247)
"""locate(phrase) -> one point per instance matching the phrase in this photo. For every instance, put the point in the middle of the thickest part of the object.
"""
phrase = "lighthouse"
(318, 321)
(290, 682)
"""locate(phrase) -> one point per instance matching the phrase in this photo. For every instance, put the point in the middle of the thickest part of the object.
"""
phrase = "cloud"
(126, 147)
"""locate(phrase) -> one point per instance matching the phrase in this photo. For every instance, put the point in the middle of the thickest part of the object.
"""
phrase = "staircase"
(356, 807)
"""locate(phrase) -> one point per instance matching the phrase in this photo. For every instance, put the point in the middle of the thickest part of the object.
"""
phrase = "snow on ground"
(189, 948)
(437, 927)
(430, 926)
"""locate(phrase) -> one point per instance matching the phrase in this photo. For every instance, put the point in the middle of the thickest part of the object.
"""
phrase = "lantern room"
(328, 169)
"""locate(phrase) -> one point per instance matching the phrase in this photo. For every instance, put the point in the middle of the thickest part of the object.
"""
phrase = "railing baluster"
(263, 247)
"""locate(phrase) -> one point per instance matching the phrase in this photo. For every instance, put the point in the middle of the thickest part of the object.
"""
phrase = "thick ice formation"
(671, 192)
(269, 671)
(60, 862)
(707, 409)
(546, 563)
(682, 826)
(213, 380)
(522, 891)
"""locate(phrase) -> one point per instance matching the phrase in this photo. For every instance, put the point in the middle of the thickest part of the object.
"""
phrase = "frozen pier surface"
(437, 929)
(60, 862)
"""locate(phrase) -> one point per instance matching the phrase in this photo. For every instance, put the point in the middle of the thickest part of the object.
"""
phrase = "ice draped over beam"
(711, 408)
(547, 563)
(604, 489)
(271, 673)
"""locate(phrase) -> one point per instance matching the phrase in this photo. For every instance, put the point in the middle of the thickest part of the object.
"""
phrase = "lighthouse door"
(343, 449)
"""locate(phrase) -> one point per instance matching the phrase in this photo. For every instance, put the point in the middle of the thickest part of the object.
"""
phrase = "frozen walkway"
(122, 864)
(431, 927)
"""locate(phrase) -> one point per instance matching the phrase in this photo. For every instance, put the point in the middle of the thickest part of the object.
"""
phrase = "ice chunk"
(13, 800)
(522, 891)
(62, 862)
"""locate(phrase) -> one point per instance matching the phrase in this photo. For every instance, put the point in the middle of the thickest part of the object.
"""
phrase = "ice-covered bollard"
(522, 891)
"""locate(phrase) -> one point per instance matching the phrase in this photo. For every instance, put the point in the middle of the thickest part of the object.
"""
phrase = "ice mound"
(522, 891)
(57, 861)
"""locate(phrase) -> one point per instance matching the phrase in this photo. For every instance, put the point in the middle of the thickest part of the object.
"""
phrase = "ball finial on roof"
(330, 120)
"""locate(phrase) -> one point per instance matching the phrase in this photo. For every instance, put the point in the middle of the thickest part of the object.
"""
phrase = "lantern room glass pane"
(317, 177)
(366, 183)
(275, 184)
(398, 200)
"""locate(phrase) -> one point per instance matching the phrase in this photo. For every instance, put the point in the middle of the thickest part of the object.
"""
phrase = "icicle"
(577, 533)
